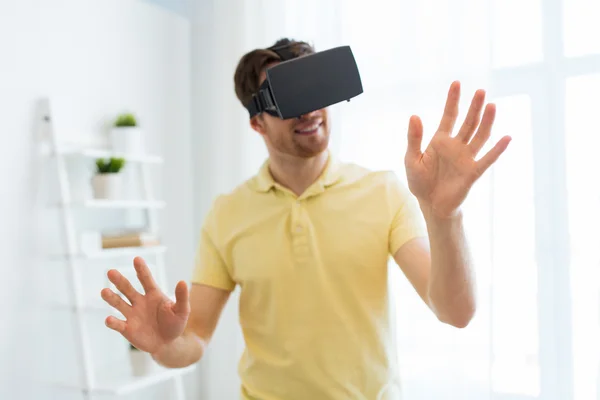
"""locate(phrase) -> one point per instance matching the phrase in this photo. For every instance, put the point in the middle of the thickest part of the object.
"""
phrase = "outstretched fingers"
(450, 110)
(415, 138)
(116, 324)
(115, 301)
(182, 299)
(485, 130)
(491, 156)
(144, 275)
(473, 117)
(123, 285)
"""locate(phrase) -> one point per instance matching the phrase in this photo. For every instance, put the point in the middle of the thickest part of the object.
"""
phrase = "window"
(517, 33)
(581, 27)
(583, 184)
(522, 340)
(515, 332)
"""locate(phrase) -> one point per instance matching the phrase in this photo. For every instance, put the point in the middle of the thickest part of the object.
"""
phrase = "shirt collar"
(263, 180)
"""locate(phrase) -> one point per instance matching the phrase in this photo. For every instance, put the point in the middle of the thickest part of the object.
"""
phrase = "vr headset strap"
(253, 107)
(263, 101)
(283, 52)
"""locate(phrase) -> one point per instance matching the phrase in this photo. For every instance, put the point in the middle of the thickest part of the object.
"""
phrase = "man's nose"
(310, 115)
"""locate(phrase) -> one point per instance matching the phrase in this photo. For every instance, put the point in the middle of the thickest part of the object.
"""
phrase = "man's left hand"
(442, 175)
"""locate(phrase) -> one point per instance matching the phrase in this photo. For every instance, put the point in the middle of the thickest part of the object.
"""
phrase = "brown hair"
(251, 65)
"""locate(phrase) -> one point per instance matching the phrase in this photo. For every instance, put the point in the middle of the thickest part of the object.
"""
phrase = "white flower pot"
(107, 186)
(142, 363)
(126, 139)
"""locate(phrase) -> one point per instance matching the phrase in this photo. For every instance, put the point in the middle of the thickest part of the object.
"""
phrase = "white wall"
(102, 57)
(220, 158)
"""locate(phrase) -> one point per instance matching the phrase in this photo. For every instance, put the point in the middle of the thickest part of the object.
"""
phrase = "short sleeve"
(210, 268)
(407, 220)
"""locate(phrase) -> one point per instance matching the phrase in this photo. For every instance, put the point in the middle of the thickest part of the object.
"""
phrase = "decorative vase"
(107, 186)
(142, 363)
(126, 139)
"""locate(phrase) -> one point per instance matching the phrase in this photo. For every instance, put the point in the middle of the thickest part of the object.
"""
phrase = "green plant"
(110, 166)
(126, 120)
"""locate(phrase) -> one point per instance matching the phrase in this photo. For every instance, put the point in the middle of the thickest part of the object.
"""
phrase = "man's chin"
(313, 150)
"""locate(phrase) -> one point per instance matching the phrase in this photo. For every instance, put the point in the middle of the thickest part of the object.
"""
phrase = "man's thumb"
(182, 299)
(415, 137)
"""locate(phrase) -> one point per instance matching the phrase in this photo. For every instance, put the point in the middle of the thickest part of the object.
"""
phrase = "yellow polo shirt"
(313, 272)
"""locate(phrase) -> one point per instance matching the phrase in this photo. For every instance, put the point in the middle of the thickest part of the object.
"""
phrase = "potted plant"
(107, 181)
(125, 135)
(142, 363)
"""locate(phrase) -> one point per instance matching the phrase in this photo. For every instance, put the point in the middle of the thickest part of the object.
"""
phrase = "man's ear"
(258, 124)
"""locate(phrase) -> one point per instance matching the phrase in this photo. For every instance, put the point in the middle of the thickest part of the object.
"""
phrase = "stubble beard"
(296, 145)
(310, 147)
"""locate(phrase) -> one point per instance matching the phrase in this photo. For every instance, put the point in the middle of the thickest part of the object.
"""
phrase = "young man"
(308, 241)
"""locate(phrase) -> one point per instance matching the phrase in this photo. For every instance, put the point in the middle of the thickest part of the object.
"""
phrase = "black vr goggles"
(298, 86)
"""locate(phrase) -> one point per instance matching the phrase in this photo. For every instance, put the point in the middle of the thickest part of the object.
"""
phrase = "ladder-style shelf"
(104, 382)
(93, 203)
(103, 153)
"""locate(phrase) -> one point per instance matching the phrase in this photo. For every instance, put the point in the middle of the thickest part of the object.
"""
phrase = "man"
(308, 241)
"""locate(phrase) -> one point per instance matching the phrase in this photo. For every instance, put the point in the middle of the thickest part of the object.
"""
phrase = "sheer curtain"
(409, 53)
(530, 219)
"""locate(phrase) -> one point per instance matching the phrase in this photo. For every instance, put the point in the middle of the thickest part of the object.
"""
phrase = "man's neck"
(295, 173)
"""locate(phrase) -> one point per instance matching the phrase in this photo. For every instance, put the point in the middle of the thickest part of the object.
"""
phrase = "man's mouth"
(310, 129)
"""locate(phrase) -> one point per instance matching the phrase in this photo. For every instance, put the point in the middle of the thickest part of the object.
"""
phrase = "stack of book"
(129, 239)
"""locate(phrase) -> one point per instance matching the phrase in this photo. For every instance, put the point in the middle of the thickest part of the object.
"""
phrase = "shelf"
(126, 251)
(115, 204)
(114, 253)
(92, 306)
(105, 153)
(124, 204)
(112, 378)
(96, 305)
(122, 383)
(127, 385)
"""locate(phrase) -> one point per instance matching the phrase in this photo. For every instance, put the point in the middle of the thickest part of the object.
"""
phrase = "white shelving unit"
(94, 382)
(131, 204)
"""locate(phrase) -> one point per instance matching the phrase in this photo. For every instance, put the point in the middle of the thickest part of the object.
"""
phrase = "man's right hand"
(152, 319)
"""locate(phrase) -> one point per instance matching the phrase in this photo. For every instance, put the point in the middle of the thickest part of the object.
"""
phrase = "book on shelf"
(129, 239)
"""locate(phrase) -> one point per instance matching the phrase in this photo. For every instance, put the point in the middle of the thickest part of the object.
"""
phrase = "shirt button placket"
(299, 241)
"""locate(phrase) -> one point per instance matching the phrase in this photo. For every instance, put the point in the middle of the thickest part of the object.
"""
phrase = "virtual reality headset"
(298, 86)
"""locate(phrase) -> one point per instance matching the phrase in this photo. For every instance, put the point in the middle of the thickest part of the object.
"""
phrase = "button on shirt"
(313, 271)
